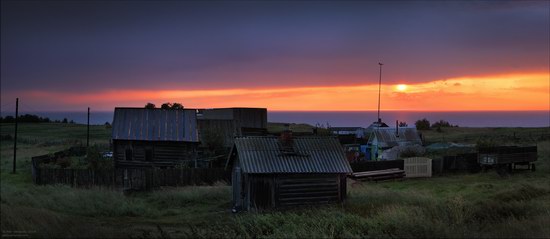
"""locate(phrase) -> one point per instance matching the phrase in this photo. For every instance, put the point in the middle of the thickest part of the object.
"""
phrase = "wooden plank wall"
(308, 189)
(457, 163)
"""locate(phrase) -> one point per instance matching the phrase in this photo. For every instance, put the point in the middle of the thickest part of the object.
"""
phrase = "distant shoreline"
(470, 119)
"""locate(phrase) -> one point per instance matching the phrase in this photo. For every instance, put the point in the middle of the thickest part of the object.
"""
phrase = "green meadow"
(453, 205)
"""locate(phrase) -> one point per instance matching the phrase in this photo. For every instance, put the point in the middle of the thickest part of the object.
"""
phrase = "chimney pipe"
(286, 139)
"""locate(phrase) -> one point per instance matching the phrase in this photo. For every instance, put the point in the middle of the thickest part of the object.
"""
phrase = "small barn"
(271, 171)
(229, 123)
(385, 138)
(154, 137)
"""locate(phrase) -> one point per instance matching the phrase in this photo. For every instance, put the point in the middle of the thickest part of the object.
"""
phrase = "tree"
(177, 106)
(441, 123)
(166, 106)
(403, 124)
(65, 121)
(150, 106)
(423, 124)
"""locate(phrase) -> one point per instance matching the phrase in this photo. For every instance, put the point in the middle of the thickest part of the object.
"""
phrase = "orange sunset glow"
(517, 91)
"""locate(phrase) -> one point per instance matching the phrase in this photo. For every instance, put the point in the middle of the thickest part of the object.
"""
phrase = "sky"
(281, 55)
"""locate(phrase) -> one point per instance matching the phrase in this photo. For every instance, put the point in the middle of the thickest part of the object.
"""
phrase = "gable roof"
(155, 124)
(313, 154)
(387, 138)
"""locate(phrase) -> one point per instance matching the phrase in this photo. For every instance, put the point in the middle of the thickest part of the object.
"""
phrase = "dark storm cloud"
(86, 46)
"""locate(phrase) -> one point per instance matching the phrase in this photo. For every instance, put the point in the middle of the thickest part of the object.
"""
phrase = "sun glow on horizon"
(401, 87)
(525, 91)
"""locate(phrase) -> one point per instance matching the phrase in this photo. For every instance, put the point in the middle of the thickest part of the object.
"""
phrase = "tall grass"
(476, 205)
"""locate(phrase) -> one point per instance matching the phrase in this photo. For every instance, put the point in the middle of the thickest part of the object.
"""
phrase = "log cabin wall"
(136, 150)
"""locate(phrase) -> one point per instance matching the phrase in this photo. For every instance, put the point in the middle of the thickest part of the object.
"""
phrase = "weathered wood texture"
(378, 175)
(416, 167)
(284, 190)
(455, 164)
(159, 150)
(139, 179)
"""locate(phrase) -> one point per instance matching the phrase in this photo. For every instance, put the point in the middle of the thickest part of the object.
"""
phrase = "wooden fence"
(137, 179)
(455, 164)
(141, 178)
(416, 167)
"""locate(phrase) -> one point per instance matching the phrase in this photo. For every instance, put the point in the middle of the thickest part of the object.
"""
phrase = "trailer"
(505, 158)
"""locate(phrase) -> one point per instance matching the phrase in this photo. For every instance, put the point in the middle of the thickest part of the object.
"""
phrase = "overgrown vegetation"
(467, 205)
(423, 124)
(30, 118)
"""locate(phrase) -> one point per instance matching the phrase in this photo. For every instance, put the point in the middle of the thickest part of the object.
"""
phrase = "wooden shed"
(232, 122)
(154, 137)
(269, 171)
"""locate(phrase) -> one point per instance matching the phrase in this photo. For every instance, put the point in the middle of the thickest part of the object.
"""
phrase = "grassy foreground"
(460, 205)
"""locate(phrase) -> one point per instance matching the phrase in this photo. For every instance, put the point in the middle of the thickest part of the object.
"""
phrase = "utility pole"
(88, 134)
(379, 89)
(15, 134)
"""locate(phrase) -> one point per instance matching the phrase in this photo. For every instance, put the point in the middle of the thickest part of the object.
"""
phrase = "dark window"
(129, 154)
(148, 155)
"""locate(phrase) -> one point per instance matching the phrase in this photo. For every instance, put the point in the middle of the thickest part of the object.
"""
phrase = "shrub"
(95, 159)
(422, 124)
(150, 106)
(441, 123)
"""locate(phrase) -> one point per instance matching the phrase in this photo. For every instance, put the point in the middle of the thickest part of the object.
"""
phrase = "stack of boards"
(378, 175)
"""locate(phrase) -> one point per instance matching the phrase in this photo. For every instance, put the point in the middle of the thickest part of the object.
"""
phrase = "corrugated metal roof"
(155, 124)
(387, 137)
(312, 155)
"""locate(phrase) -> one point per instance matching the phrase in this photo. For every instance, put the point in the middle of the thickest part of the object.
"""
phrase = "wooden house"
(231, 123)
(269, 171)
(154, 137)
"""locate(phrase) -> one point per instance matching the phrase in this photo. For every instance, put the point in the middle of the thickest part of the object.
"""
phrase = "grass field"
(458, 205)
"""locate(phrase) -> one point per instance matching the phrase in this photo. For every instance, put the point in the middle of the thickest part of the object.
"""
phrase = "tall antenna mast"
(379, 88)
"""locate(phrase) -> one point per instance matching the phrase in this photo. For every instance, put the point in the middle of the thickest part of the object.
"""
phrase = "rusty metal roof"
(387, 137)
(262, 154)
(155, 124)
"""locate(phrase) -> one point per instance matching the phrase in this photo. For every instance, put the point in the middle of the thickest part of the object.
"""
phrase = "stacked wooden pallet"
(377, 175)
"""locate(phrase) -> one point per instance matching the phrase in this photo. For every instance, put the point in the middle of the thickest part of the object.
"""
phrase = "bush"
(486, 143)
(441, 123)
(95, 159)
(423, 124)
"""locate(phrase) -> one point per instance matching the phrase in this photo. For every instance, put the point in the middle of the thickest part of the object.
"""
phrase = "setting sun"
(401, 87)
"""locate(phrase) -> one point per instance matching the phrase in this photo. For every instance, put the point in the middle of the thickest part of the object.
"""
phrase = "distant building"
(375, 125)
(359, 132)
(386, 138)
(231, 122)
(284, 171)
(154, 137)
